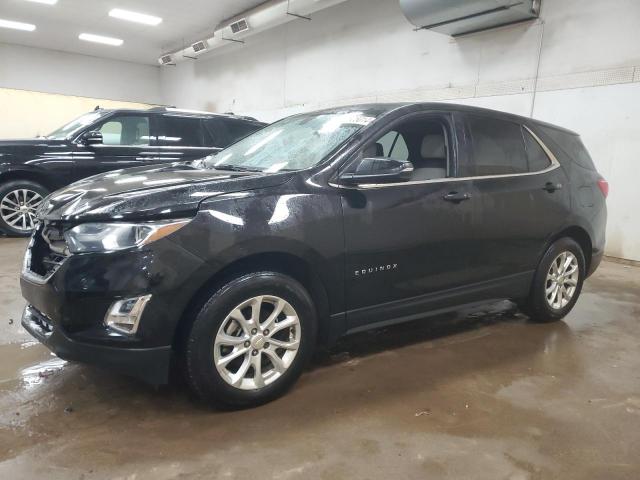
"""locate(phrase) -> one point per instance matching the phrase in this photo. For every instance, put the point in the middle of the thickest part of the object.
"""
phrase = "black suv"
(319, 225)
(100, 141)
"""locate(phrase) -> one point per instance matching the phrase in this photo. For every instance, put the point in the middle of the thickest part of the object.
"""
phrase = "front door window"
(422, 141)
(131, 130)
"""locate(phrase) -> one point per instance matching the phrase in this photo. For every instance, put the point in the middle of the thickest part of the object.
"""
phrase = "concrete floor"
(480, 396)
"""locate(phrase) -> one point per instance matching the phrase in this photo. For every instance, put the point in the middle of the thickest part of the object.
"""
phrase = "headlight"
(108, 237)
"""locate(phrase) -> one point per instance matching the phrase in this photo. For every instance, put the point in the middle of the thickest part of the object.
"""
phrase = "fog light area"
(124, 315)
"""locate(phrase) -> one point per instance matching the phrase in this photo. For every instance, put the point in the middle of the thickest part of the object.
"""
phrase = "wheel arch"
(30, 175)
(581, 237)
(280, 262)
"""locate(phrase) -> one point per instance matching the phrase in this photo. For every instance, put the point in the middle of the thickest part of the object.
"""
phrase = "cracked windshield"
(294, 143)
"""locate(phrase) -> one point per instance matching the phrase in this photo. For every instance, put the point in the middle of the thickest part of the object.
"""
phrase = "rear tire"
(19, 200)
(557, 282)
(267, 355)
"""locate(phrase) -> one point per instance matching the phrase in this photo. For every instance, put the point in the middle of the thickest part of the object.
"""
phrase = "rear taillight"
(603, 185)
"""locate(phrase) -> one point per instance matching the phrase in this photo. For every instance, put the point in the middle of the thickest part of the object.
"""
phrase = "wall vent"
(200, 46)
(165, 59)
(239, 26)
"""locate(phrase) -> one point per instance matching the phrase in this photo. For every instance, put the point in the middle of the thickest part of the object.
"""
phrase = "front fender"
(308, 226)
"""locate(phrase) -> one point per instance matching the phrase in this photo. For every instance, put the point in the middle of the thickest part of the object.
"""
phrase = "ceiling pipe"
(259, 19)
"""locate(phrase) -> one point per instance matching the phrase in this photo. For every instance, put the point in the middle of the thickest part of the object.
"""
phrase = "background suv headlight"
(109, 237)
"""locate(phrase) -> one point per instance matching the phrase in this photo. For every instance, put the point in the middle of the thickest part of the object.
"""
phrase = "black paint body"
(369, 256)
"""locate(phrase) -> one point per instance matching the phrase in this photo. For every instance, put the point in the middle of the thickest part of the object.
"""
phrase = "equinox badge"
(376, 269)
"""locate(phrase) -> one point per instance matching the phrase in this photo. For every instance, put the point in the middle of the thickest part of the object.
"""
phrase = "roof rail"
(180, 110)
(200, 112)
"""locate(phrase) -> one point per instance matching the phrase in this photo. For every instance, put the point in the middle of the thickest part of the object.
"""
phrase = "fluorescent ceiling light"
(134, 17)
(47, 2)
(28, 27)
(90, 37)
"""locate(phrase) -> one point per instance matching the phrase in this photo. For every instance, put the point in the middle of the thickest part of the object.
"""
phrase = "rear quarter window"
(536, 156)
(571, 145)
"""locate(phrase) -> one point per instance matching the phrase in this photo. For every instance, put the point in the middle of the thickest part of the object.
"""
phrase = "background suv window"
(126, 130)
(498, 148)
(238, 129)
(181, 131)
(216, 134)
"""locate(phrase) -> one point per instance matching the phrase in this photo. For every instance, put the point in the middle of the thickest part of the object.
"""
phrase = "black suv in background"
(101, 141)
(316, 226)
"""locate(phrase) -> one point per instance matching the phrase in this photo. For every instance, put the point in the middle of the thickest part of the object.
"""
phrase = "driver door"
(129, 140)
(405, 242)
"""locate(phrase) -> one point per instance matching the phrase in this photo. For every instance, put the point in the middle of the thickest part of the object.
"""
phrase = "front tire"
(251, 340)
(557, 282)
(19, 200)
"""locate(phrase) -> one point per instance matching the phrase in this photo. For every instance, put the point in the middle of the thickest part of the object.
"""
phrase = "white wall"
(51, 71)
(28, 114)
(585, 71)
(41, 90)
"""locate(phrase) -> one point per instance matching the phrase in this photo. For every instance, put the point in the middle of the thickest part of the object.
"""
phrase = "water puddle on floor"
(26, 365)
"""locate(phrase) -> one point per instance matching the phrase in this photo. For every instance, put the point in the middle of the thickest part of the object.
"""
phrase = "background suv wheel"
(19, 200)
(557, 282)
(251, 340)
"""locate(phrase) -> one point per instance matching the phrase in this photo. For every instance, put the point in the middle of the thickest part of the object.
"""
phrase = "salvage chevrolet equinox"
(322, 224)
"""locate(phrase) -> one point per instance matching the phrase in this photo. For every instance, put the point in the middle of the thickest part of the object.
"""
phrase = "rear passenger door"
(523, 196)
(182, 138)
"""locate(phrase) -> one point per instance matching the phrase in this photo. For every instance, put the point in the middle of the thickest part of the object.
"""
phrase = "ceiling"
(58, 26)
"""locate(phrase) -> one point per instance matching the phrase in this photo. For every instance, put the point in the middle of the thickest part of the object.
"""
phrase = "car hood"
(145, 193)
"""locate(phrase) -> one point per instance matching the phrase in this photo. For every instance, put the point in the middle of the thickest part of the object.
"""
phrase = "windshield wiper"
(235, 168)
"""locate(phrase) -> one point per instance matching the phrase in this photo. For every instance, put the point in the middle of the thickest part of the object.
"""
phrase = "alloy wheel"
(562, 280)
(18, 209)
(257, 342)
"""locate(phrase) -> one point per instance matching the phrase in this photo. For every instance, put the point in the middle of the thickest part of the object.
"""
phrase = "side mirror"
(93, 137)
(379, 170)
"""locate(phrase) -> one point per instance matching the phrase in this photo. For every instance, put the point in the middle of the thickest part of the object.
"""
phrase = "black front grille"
(48, 249)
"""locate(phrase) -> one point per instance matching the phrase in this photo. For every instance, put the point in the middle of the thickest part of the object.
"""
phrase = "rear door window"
(181, 131)
(497, 148)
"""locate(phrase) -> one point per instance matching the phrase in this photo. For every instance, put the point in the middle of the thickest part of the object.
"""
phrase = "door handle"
(456, 197)
(552, 187)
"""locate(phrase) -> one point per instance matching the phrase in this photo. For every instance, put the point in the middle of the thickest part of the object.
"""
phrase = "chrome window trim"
(106, 145)
(178, 147)
(554, 165)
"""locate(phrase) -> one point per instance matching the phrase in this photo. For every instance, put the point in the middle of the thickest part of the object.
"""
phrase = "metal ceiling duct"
(267, 15)
(458, 17)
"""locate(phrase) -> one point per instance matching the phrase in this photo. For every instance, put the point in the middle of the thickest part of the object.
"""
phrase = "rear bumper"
(149, 364)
